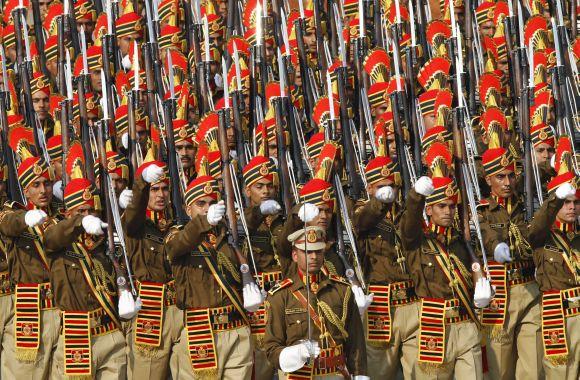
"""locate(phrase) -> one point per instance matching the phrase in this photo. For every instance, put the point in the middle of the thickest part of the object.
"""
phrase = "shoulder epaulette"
(13, 205)
(281, 285)
(482, 203)
(340, 279)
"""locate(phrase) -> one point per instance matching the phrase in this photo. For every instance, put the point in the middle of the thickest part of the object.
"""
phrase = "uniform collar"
(159, 219)
(563, 227)
(317, 281)
(443, 234)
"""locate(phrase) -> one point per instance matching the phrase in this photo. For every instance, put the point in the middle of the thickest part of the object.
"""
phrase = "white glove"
(424, 186)
(553, 161)
(125, 198)
(93, 225)
(308, 212)
(562, 192)
(361, 377)
(501, 253)
(270, 207)
(253, 297)
(217, 79)
(294, 357)
(482, 294)
(57, 190)
(363, 301)
(128, 307)
(33, 218)
(125, 140)
(126, 61)
(152, 174)
(385, 194)
(216, 212)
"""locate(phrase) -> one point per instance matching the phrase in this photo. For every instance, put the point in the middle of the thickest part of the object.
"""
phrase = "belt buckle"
(95, 322)
(452, 312)
(573, 303)
(515, 274)
(223, 318)
(400, 294)
(46, 294)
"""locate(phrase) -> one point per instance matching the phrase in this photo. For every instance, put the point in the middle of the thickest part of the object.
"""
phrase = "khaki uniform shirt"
(71, 290)
(195, 285)
(430, 280)
(144, 239)
(264, 231)
(379, 243)
(23, 246)
(287, 320)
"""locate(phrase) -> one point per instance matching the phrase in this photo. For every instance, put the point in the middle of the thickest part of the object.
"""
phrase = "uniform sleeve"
(366, 216)
(12, 223)
(293, 223)
(182, 242)
(490, 237)
(356, 354)
(542, 222)
(135, 212)
(63, 234)
(254, 218)
(275, 336)
(412, 221)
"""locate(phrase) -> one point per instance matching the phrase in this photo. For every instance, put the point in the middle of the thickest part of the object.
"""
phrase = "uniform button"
(152, 248)
(27, 247)
(200, 266)
(430, 264)
(73, 265)
(298, 321)
(551, 259)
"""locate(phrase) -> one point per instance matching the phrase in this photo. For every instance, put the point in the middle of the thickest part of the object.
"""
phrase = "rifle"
(284, 174)
(14, 190)
(39, 35)
(82, 81)
(238, 105)
(65, 117)
(71, 20)
(110, 199)
(304, 68)
(233, 237)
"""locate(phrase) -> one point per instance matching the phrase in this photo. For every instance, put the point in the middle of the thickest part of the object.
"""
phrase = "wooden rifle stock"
(285, 184)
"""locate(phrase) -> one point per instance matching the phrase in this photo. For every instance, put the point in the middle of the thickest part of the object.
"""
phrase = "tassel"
(25, 355)
(205, 374)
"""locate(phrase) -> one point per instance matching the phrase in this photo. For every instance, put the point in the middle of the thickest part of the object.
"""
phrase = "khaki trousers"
(234, 355)
(157, 363)
(518, 352)
(109, 361)
(262, 367)
(39, 369)
(6, 314)
(384, 363)
(462, 354)
(570, 371)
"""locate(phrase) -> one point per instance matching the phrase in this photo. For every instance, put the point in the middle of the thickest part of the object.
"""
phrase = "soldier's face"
(324, 217)
(41, 104)
(502, 184)
(186, 152)
(39, 192)
(95, 80)
(82, 210)
(158, 196)
(126, 41)
(52, 67)
(57, 166)
(379, 110)
(487, 29)
(260, 191)
(442, 213)
(544, 152)
(568, 212)
(89, 26)
(200, 206)
(315, 260)
(429, 121)
(119, 183)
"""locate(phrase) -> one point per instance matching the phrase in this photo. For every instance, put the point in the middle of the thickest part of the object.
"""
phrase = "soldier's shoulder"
(338, 279)
(172, 232)
(281, 285)
(483, 204)
(13, 205)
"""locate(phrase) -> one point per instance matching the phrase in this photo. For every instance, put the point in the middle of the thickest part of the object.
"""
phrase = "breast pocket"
(553, 260)
(428, 264)
(296, 323)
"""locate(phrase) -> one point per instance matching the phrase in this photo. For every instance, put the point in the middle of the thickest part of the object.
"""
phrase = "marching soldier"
(6, 287)
(448, 340)
(264, 224)
(156, 329)
(391, 320)
(513, 318)
(91, 344)
(556, 255)
(32, 333)
(215, 341)
(333, 346)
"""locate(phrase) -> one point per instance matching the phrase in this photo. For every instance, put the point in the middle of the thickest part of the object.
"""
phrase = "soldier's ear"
(429, 210)
(247, 191)
(488, 180)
